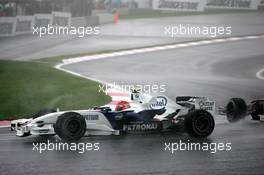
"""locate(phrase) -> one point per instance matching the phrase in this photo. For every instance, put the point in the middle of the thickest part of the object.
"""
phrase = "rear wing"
(197, 103)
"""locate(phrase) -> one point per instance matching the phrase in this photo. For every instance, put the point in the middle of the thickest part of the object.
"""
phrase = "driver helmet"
(122, 105)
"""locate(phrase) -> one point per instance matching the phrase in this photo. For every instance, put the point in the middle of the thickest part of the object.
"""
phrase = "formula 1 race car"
(237, 109)
(146, 113)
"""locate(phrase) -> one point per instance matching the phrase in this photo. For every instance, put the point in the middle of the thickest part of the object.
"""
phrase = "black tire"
(236, 109)
(43, 112)
(70, 126)
(199, 123)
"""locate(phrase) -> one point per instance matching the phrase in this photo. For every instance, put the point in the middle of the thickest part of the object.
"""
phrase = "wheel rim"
(73, 126)
(202, 124)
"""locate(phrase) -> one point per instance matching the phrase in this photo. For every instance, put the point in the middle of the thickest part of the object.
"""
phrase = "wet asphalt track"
(219, 71)
(137, 154)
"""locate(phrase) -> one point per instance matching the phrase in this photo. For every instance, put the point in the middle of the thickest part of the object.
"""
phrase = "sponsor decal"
(91, 117)
(179, 5)
(119, 116)
(159, 103)
(206, 105)
(140, 127)
(235, 4)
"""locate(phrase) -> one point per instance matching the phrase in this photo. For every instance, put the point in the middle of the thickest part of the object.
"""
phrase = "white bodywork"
(43, 125)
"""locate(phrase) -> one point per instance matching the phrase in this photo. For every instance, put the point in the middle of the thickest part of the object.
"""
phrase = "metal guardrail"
(10, 26)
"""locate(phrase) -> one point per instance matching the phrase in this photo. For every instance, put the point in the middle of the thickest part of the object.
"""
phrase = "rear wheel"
(236, 109)
(199, 123)
(70, 126)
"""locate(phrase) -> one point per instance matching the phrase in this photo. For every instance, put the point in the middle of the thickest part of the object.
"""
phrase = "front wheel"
(70, 126)
(236, 109)
(199, 123)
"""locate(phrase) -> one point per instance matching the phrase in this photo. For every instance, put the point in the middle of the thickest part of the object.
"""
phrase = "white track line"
(259, 74)
(114, 88)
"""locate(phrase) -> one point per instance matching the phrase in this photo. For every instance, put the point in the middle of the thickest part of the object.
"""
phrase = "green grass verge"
(26, 87)
(149, 13)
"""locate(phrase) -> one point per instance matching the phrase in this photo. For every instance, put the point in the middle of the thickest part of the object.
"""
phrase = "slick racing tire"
(70, 126)
(199, 123)
(236, 109)
(43, 112)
